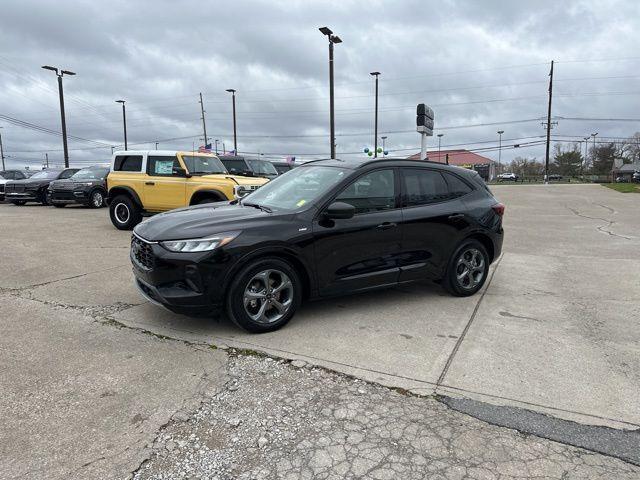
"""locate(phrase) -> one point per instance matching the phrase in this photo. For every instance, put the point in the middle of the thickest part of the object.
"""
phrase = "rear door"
(434, 221)
(361, 252)
(163, 189)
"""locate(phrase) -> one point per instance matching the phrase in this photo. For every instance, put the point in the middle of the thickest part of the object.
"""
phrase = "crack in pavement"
(601, 228)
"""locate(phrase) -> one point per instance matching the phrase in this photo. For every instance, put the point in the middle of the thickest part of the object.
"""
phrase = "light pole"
(332, 40)
(586, 153)
(60, 73)
(384, 149)
(124, 122)
(1, 151)
(500, 132)
(157, 145)
(216, 142)
(594, 146)
(439, 140)
(375, 134)
(235, 138)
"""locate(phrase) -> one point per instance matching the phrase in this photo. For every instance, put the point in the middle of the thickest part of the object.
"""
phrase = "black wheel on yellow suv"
(124, 212)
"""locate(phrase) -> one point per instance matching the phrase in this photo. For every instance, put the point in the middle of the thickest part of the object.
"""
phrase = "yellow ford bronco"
(145, 182)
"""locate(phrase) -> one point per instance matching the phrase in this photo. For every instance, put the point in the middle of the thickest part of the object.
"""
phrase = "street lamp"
(1, 151)
(333, 39)
(384, 150)
(500, 132)
(375, 134)
(586, 153)
(157, 145)
(594, 145)
(439, 140)
(124, 122)
(235, 138)
(60, 73)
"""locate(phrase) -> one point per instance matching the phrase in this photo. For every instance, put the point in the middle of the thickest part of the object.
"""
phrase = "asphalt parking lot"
(555, 331)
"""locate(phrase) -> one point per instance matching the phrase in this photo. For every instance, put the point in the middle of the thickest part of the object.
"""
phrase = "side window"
(67, 174)
(457, 187)
(128, 163)
(422, 186)
(372, 192)
(161, 166)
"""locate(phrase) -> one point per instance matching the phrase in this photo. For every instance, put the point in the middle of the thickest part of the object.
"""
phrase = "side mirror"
(340, 211)
(180, 172)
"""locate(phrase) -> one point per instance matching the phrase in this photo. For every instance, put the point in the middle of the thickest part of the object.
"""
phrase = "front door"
(360, 252)
(163, 189)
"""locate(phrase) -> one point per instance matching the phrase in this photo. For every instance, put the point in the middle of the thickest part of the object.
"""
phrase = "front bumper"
(185, 283)
(68, 196)
(24, 196)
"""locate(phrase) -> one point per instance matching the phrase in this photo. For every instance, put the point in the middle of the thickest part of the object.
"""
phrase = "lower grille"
(142, 254)
(1, 187)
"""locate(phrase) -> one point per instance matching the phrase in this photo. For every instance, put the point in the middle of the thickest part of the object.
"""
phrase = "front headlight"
(240, 191)
(200, 244)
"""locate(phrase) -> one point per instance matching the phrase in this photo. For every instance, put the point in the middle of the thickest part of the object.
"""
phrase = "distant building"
(485, 167)
(625, 171)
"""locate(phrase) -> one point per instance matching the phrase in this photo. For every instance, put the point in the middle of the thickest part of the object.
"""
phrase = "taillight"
(499, 209)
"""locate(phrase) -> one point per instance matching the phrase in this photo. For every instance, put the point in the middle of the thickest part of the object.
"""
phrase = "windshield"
(297, 188)
(235, 166)
(90, 174)
(45, 174)
(202, 165)
(262, 167)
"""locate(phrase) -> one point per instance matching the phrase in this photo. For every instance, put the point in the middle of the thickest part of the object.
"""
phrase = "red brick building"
(463, 158)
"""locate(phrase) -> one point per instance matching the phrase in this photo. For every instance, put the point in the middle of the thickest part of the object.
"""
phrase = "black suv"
(328, 227)
(250, 167)
(87, 186)
(35, 188)
(15, 174)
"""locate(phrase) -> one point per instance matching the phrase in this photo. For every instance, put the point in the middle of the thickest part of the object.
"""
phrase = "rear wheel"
(265, 295)
(124, 213)
(45, 198)
(467, 270)
(18, 202)
(59, 205)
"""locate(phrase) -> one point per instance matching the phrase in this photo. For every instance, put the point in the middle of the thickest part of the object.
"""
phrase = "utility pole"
(594, 146)
(157, 145)
(235, 137)
(60, 73)
(586, 153)
(546, 156)
(375, 135)
(1, 151)
(124, 122)
(439, 141)
(216, 142)
(384, 148)
(500, 132)
(333, 39)
(46, 157)
(204, 125)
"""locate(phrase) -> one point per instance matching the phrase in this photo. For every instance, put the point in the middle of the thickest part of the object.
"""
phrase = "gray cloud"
(159, 54)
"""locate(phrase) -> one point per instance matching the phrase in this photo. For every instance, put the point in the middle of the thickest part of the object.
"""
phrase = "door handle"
(149, 183)
(456, 216)
(386, 226)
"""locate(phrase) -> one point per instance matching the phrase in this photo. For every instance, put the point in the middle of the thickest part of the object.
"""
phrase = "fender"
(204, 192)
(123, 189)
(278, 250)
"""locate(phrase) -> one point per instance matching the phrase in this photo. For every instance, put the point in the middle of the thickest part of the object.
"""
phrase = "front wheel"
(97, 199)
(467, 270)
(45, 198)
(59, 205)
(18, 202)
(264, 296)
(124, 213)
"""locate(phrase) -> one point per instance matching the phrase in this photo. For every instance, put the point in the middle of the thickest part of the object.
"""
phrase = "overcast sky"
(477, 63)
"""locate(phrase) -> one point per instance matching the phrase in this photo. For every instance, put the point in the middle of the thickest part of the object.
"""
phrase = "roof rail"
(375, 160)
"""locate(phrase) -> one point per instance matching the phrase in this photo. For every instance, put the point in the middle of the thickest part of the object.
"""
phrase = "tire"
(471, 260)
(124, 213)
(18, 202)
(59, 205)
(250, 283)
(45, 198)
(96, 199)
(207, 200)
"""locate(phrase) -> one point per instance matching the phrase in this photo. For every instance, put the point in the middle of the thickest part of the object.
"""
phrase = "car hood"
(27, 182)
(238, 179)
(199, 221)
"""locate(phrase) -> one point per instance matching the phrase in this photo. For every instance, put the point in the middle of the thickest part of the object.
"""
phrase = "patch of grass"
(624, 187)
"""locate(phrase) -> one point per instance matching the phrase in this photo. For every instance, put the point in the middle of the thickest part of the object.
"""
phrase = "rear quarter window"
(128, 163)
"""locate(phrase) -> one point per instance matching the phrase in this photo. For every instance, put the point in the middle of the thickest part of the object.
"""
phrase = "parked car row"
(58, 187)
